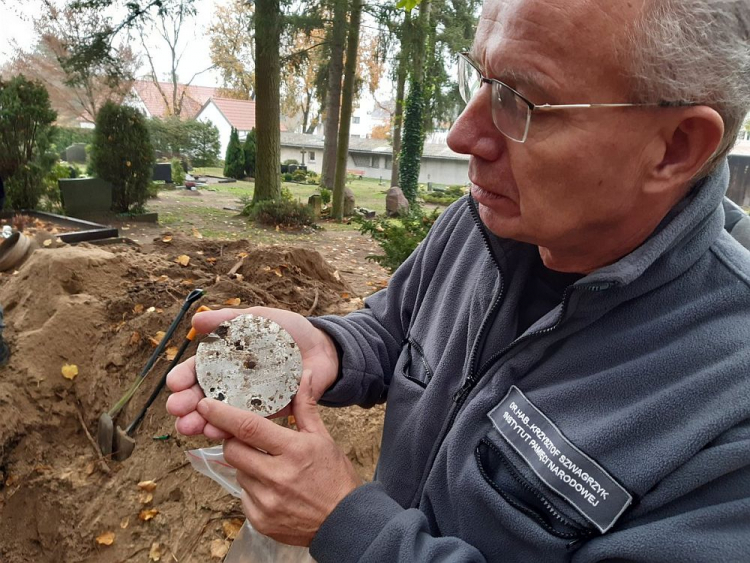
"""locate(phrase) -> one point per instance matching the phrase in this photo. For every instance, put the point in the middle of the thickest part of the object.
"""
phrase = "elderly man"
(565, 358)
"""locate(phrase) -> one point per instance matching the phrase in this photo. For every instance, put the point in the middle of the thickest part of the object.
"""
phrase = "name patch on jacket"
(556, 461)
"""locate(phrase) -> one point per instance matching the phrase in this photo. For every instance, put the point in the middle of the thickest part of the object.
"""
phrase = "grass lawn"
(367, 192)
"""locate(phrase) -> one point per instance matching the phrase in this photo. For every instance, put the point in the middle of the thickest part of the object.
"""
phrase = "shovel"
(105, 431)
(124, 444)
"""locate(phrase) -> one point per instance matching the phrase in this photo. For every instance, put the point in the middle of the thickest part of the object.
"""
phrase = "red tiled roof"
(239, 113)
(195, 97)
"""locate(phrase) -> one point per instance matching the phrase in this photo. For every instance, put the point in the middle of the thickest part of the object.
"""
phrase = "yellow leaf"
(167, 238)
(242, 255)
(47, 242)
(232, 527)
(171, 353)
(145, 498)
(163, 278)
(155, 552)
(345, 296)
(277, 271)
(196, 233)
(135, 338)
(69, 371)
(147, 515)
(188, 283)
(107, 538)
(138, 309)
(156, 339)
(233, 302)
(149, 486)
(219, 548)
(211, 260)
(183, 260)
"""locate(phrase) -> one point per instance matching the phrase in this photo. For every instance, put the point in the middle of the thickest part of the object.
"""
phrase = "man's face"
(577, 180)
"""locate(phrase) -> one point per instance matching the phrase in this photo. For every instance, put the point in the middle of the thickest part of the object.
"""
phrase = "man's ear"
(688, 141)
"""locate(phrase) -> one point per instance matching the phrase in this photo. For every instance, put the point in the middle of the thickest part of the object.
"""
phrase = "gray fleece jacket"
(617, 427)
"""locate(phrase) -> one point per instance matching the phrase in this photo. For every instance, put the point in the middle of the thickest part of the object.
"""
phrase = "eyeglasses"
(511, 111)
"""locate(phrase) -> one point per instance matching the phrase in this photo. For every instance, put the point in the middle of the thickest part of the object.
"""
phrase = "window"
(355, 120)
(375, 161)
(312, 156)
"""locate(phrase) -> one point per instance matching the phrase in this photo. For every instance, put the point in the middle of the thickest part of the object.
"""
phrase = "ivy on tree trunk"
(412, 143)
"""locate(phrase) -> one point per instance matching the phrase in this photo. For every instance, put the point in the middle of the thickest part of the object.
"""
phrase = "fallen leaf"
(187, 282)
(90, 467)
(162, 278)
(219, 548)
(124, 523)
(183, 260)
(234, 302)
(345, 296)
(149, 486)
(167, 238)
(172, 353)
(135, 338)
(47, 242)
(155, 552)
(69, 371)
(159, 310)
(242, 255)
(107, 538)
(145, 497)
(156, 339)
(211, 260)
(232, 527)
(147, 515)
(277, 271)
(138, 309)
(196, 233)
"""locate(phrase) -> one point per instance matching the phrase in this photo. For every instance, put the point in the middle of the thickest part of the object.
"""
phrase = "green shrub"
(195, 140)
(26, 134)
(234, 162)
(281, 213)
(178, 172)
(250, 151)
(312, 182)
(397, 238)
(299, 176)
(122, 154)
(51, 200)
(287, 177)
(290, 161)
(325, 195)
(67, 136)
(286, 194)
(311, 174)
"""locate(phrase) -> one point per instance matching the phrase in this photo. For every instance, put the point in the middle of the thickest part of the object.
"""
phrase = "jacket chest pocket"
(415, 366)
(526, 494)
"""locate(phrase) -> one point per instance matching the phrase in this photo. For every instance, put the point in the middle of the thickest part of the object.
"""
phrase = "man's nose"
(474, 132)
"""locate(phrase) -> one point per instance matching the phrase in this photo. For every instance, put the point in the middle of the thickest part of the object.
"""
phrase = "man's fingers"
(213, 433)
(191, 424)
(207, 321)
(305, 407)
(182, 376)
(250, 428)
(184, 402)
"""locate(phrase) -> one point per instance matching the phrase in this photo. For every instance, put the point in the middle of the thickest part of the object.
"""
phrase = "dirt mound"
(98, 308)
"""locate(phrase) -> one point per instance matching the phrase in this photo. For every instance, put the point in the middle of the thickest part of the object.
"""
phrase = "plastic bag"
(250, 546)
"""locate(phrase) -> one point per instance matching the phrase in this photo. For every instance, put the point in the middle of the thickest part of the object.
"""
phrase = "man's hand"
(291, 480)
(319, 359)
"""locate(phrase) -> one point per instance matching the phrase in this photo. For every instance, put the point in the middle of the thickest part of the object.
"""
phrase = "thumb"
(305, 407)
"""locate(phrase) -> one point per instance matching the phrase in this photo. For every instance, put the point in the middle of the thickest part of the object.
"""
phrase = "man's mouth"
(482, 195)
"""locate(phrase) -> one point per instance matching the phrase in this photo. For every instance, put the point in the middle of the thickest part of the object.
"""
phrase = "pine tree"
(249, 149)
(234, 161)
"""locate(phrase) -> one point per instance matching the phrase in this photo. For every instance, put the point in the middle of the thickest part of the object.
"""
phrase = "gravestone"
(76, 153)
(316, 203)
(85, 198)
(162, 172)
(396, 203)
(348, 202)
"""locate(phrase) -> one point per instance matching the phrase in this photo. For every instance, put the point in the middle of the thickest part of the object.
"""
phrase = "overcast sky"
(16, 28)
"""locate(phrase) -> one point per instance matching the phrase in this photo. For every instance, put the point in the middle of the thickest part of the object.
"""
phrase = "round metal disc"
(249, 362)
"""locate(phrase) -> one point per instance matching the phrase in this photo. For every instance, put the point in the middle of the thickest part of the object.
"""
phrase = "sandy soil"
(97, 308)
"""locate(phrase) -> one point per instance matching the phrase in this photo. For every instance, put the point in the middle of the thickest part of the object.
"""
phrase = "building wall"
(293, 153)
(444, 171)
(211, 114)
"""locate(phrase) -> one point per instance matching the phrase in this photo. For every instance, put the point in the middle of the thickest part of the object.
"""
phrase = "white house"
(226, 113)
(372, 158)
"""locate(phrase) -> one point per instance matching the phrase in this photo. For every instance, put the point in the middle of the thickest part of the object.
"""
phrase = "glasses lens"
(509, 112)
(469, 79)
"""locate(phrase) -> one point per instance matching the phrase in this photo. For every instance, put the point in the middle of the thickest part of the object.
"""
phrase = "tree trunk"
(413, 137)
(350, 72)
(333, 102)
(398, 114)
(267, 101)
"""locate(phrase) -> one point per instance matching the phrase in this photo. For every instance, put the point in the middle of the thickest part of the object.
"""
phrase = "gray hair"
(695, 52)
